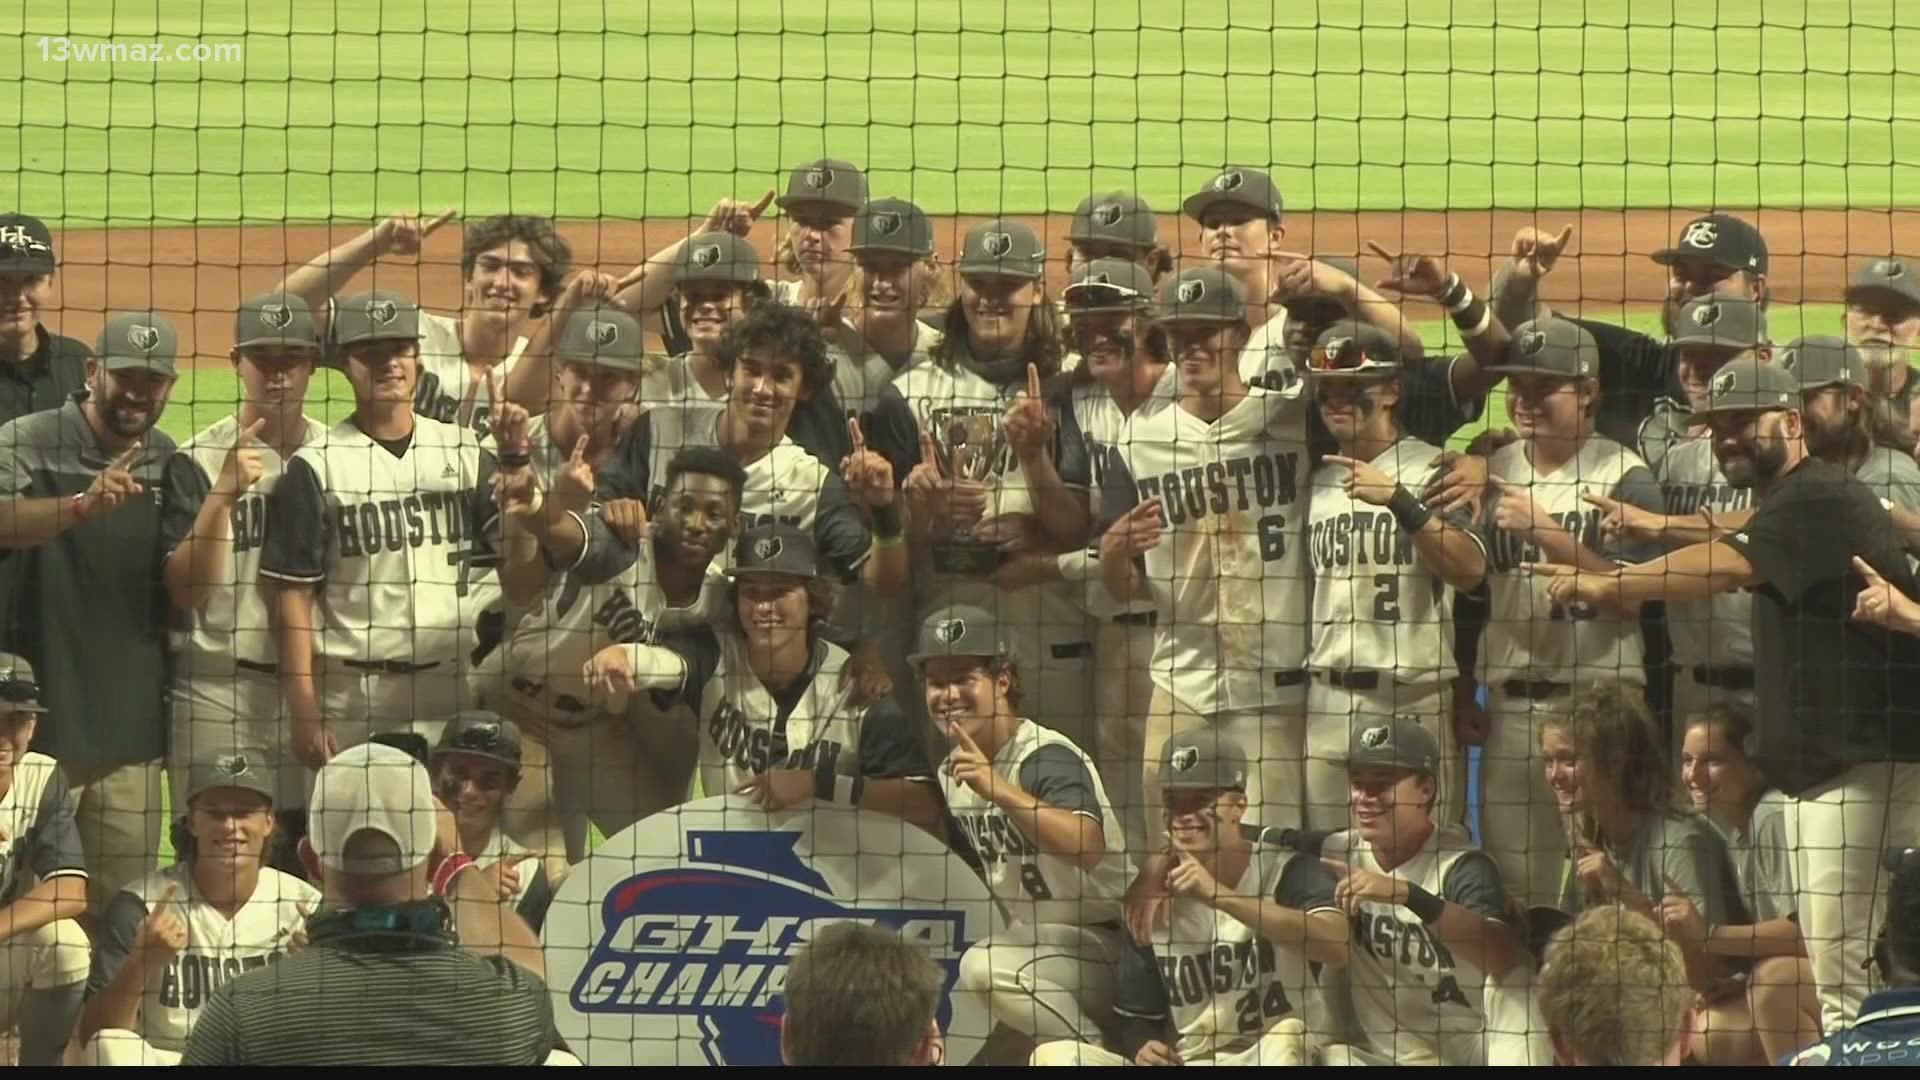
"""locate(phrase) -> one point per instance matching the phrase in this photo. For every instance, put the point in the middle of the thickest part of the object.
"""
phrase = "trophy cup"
(968, 446)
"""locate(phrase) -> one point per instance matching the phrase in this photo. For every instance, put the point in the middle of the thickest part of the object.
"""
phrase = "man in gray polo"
(79, 506)
(1882, 320)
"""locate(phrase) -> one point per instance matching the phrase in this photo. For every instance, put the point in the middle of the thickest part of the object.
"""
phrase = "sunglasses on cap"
(1349, 356)
(20, 691)
(477, 739)
(1103, 295)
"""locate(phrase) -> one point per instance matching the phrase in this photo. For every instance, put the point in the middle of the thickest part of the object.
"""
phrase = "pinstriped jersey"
(1230, 575)
(217, 949)
(1034, 886)
(1377, 605)
(233, 625)
(1416, 1001)
(390, 538)
(1527, 635)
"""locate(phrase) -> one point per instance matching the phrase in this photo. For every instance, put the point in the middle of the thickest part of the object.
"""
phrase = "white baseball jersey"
(1377, 605)
(1265, 361)
(860, 373)
(1037, 887)
(389, 537)
(1416, 1001)
(1230, 576)
(234, 624)
(1528, 636)
(1717, 632)
(672, 384)
(746, 729)
(218, 949)
(1219, 983)
(447, 380)
(38, 837)
(1102, 425)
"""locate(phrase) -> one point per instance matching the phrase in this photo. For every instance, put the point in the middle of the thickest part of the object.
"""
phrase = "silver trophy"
(968, 446)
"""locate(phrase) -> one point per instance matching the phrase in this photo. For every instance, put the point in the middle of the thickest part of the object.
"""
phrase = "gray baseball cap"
(1399, 743)
(26, 247)
(377, 315)
(1353, 349)
(1750, 384)
(482, 733)
(1823, 360)
(145, 342)
(1893, 276)
(1115, 217)
(717, 256)
(1550, 346)
(275, 321)
(1109, 285)
(19, 687)
(1721, 322)
(602, 335)
(228, 770)
(960, 630)
(1200, 758)
(1203, 294)
(828, 180)
(892, 225)
(1003, 248)
(1249, 188)
(775, 548)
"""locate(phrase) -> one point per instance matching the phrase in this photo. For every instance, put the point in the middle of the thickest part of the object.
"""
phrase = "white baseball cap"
(377, 787)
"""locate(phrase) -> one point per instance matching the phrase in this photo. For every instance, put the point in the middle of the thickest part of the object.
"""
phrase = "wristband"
(515, 455)
(1424, 904)
(1473, 319)
(449, 866)
(886, 522)
(1408, 510)
(1450, 294)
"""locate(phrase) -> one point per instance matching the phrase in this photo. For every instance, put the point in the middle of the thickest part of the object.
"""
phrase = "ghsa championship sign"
(669, 945)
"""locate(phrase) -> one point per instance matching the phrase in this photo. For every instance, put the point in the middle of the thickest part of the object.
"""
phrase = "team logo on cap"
(819, 179)
(17, 238)
(1191, 292)
(143, 337)
(948, 631)
(1336, 346)
(1376, 737)
(1706, 314)
(1722, 383)
(603, 333)
(382, 312)
(1532, 342)
(887, 222)
(1701, 234)
(276, 316)
(706, 255)
(1185, 758)
(1108, 214)
(767, 548)
(997, 244)
(1228, 181)
(231, 765)
(1890, 268)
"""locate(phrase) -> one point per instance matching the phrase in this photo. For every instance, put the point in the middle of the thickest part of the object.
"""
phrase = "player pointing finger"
(1882, 604)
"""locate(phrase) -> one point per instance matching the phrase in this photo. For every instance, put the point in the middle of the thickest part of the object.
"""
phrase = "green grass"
(584, 108)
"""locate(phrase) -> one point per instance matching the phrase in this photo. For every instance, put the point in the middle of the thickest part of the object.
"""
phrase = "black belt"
(1072, 650)
(1352, 680)
(1533, 688)
(1725, 678)
(1138, 618)
(1289, 678)
(391, 667)
(255, 665)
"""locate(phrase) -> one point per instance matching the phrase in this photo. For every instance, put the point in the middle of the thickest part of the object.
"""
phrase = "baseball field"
(1436, 125)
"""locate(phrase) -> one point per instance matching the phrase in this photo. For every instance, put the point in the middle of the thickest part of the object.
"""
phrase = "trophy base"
(965, 558)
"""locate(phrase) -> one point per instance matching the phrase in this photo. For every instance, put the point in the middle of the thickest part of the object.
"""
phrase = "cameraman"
(1887, 1031)
(413, 958)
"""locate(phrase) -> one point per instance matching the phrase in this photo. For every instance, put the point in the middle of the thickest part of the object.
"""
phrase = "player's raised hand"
(736, 216)
(240, 469)
(969, 765)
(1148, 905)
(403, 234)
(1678, 916)
(1625, 521)
(1189, 878)
(162, 935)
(1028, 425)
(1134, 533)
(504, 875)
(1459, 482)
(298, 938)
(1535, 251)
(1881, 604)
(1153, 1052)
(926, 486)
(1410, 274)
(868, 476)
(830, 313)
(517, 493)
(1567, 584)
(1595, 871)
(511, 425)
(1300, 276)
(778, 789)
(1365, 481)
(573, 482)
(585, 289)
(114, 486)
(1515, 510)
(610, 670)
(628, 520)
(312, 742)
(1356, 886)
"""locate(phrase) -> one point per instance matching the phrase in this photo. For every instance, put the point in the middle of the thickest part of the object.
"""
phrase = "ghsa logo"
(713, 942)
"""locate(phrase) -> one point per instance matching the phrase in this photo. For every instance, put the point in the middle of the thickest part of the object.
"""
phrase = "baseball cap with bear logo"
(1891, 276)
(718, 256)
(602, 335)
(1115, 217)
(138, 342)
(1109, 285)
(1203, 294)
(1249, 188)
(892, 225)
(775, 548)
(1002, 248)
(275, 321)
(1550, 346)
(1399, 743)
(1202, 758)
(958, 630)
(830, 181)
(1750, 384)
(376, 315)
(237, 771)
(1721, 322)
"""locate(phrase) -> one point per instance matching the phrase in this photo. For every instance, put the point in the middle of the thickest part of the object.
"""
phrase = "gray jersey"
(38, 838)
(1377, 605)
(1715, 632)
(1681, 847)
(1892, 476)
(1763, 860)
(1417, 1001)
(860, 373)
(672, 385)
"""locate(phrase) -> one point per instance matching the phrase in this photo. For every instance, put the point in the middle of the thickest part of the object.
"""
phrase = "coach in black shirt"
(39, 369)
(1838, 722)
